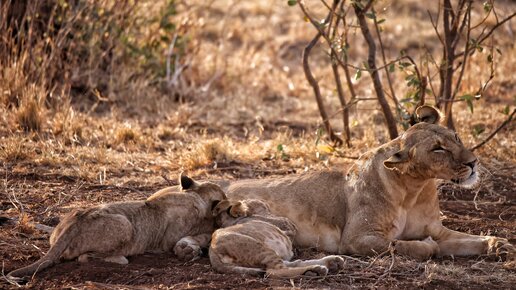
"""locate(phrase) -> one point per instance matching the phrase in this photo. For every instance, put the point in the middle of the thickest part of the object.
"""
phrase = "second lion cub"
(253, 241)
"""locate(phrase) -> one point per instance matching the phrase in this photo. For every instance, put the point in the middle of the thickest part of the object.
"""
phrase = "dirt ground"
(242, 108)
(479, 212)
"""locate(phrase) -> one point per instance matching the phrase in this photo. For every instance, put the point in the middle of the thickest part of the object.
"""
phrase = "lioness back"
(287, 195)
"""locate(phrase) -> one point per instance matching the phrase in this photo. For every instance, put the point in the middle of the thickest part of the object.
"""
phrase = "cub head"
(428, 150)
(227, 212)
(211, 193)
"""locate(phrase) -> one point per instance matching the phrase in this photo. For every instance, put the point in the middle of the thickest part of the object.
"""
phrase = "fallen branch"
(507, 121)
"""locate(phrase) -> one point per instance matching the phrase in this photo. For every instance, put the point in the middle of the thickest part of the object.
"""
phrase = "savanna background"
(107, 100)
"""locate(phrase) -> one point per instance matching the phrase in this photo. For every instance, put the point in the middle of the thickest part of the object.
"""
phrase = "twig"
(387, 73)
(388, 270)
(313, 82)
(507, 121)
(465, 59)
(169, 182)
(340, 90)
(483, 38)
(8, 279)
(371, 62)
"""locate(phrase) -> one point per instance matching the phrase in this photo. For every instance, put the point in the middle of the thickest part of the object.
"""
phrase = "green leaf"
(380, 21)
(280, 147)
(469, 101)
(490, 58)
(358, 74)
(505, 110)
(487, 7)
(470, 105)
(391, 67)
(478, 129)
(499, 51)
(358, 4)
(291, 2)
(370, 15)
(467, 97)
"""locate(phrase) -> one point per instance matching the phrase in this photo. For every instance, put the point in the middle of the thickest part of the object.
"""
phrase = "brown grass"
(93, 120)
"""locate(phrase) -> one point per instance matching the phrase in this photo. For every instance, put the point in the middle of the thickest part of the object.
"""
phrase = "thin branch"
(434, 25)
(315, 86)
(507, 121)
(382, 50)
(373, 71)
(340, 90)
(328, 40)
(465, 58)
(483, 38)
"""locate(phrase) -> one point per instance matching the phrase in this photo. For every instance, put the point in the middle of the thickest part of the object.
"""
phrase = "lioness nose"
(471, 164)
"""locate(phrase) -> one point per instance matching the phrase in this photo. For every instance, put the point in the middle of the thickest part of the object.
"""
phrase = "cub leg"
(101, 236)
(333, 263)
(244, 250)
(189, 248)
(371, 245)
(117, 260)
(111, 259)
(284, 271)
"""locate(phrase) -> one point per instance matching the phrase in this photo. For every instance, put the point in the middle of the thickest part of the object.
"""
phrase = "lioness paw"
(187, 251)
(316, 270)
(502, 248)
(334, 263)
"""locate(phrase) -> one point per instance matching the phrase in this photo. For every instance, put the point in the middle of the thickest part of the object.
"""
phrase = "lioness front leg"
(190, 247)
(371, 245)
(461, 244)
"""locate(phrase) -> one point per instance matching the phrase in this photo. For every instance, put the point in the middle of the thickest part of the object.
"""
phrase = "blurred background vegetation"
(196, 84)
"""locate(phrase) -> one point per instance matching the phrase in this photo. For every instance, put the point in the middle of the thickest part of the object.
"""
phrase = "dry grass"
(103, 115)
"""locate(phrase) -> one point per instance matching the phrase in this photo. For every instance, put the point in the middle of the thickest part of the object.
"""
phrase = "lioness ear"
(186, 182)
(398, 161)
(428, 114)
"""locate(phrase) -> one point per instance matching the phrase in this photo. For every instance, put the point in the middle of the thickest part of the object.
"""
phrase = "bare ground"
(488, 210)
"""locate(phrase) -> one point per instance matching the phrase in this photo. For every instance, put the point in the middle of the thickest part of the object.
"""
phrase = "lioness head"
(211, 193)
(432, 151)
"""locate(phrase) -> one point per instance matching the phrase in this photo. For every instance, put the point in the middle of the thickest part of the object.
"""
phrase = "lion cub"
(253, 241)
(170, 218)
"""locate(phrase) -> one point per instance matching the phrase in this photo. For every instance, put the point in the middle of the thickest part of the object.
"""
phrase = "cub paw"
(434, 247)
(186, 251)
(334, 263)
(316, 271)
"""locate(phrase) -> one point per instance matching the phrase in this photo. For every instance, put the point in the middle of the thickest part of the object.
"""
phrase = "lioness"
(389, 195)
(170, 218)
(252, 241)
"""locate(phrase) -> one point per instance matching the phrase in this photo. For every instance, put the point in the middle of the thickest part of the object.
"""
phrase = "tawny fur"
(389, 195)
(172, 218)
(252, 241)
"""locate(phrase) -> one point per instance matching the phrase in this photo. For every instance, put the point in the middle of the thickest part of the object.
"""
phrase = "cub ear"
(186, 182)
(221, 207)
(398, 161)
(237, 209)
(428, 114)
